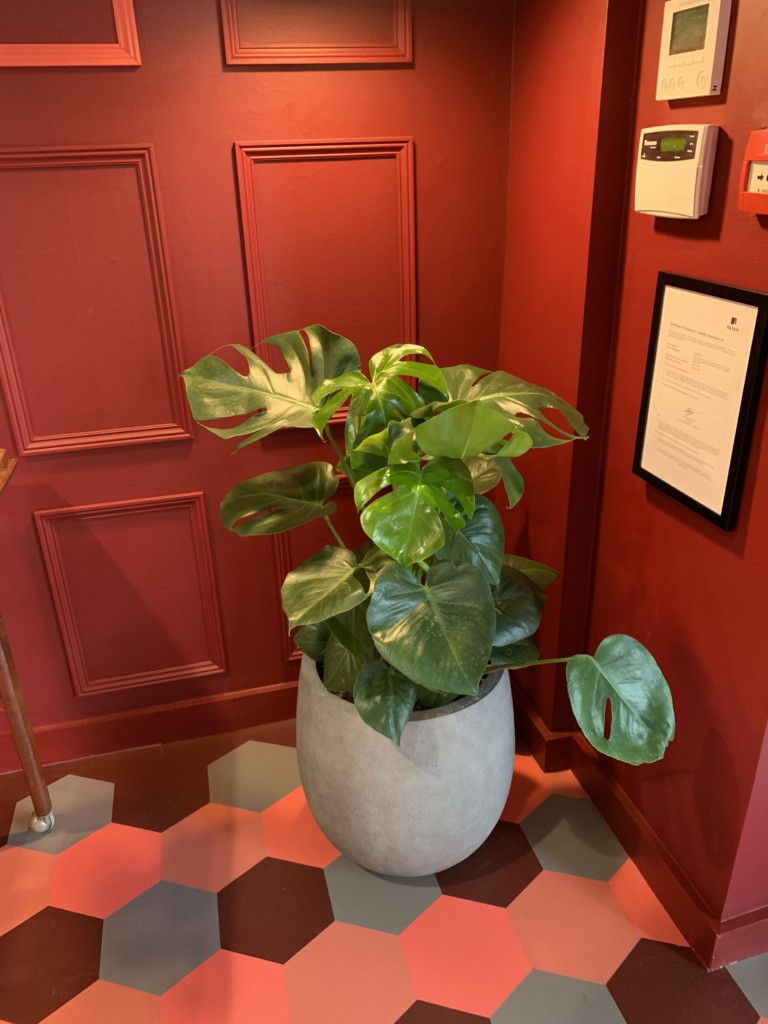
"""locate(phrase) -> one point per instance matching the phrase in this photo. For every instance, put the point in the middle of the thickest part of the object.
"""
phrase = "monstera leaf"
(323, 586)
(624, 675)
(519, 604)
(278, 501)
(384, 699)
(480, 541)
(270, 399)
(462, 431)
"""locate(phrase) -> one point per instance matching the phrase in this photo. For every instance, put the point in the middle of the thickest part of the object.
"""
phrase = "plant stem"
(333, 530)
(342, 460)
(424, 566)
(530, 664)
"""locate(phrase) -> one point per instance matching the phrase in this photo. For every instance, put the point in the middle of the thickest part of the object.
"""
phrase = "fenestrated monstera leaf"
(437, 633)
(268, 398)
(323, 586)
(384, 699)
(480, 541)
(623, 673)
(278, 501)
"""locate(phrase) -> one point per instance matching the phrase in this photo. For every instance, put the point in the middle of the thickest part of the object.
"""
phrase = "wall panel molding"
(178, 427)
(123, 52)
(63, 575)
(395, 49)
(398, 151)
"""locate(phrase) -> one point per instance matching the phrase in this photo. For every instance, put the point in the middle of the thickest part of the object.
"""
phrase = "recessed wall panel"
(49, 33)
(88, 347)
(134, 593)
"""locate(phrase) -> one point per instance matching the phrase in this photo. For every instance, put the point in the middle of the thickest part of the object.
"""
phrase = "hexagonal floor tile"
(642, 906)
(464, 955)
(531, 786)
(752, 978)
(376, 901)
(659, 982)
(254, 775)
(106, 870)
(352, 975)
(106, 1003)
(495, 873)
(558, 1000)
(570, 835)
(574, 926)
(212, 847)
(65, 944)
(431, 1013)
(26, 885)
(229, 988)
(80, 807)
(291, 832)
(154, 940)
(274, 909)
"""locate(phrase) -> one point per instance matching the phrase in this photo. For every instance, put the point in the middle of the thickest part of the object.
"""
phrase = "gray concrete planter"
(414, 809)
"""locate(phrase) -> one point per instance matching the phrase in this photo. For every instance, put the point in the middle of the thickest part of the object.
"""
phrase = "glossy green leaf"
(323, 586)
(269, 399)
(433, 698)
(405, 524)
(350, 628)
(519, 604)
(541, 574)
(480, 541)
(462, 431)
(523, 652)
(384, 699)
(513, 481)
(340, 666)
(485, 473)
(313, 639)
(278, 501)
(437, 633)
(625, 675)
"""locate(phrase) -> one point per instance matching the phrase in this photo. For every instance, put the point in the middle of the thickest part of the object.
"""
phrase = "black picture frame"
(702, 383)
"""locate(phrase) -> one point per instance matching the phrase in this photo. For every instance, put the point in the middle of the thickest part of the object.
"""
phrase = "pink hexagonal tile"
(349, 975)
(642, 906)
(574, 926)
(531, 786)
(212, 847)
(291, 832)
(103, 1001)
(464, 955)
(106, 870)
(229, 988)
(26, 884)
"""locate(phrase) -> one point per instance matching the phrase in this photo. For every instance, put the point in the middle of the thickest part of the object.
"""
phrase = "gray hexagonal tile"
(569, 835)
(557, 999)
(254, 776)
(156, 939)
(80, 807)
(752, 978)
(377, 901)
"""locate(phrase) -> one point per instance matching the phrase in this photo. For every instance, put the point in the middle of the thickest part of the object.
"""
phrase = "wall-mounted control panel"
(694, 36)
(753, 186)
(674, 170)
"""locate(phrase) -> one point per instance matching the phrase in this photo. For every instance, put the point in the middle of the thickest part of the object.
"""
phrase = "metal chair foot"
(41, 824)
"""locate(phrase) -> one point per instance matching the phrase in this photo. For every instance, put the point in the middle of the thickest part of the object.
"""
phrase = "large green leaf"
(384, 699)
(313, 639)
(462, 431)
(393, 362)
(513, 481)
(437, 633)
(485, 473)
(523, 652)
(323, 586)
(541, 574)
(350, 628)
(519, 604)
(480, 541)
(624, 674)
(278, 501)
(268, 398)
(340, 666)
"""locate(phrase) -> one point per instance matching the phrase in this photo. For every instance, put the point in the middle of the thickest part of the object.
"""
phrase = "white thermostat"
(693, 41)
(674, 170)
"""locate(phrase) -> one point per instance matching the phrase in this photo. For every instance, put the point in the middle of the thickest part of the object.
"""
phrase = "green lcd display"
(672, 144)
(689, 29)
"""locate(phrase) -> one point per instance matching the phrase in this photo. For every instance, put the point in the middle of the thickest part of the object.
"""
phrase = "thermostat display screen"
(673, 143)
(689, 29)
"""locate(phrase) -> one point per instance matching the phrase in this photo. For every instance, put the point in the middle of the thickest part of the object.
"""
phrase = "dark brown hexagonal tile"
(45, 962)
(431, 1013)
(496, 873)
(659, 982)
(274, 909)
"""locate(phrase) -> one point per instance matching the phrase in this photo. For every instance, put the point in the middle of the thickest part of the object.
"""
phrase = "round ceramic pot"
(417, 808)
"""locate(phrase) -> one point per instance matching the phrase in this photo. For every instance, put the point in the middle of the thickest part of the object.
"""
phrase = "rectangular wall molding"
(377, 32)
(133, 585)
(101, 369)
(124, 51)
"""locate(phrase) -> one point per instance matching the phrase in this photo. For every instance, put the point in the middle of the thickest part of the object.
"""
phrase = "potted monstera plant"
(405, 731)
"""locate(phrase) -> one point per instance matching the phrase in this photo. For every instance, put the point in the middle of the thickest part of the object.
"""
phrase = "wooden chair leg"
(21, 731)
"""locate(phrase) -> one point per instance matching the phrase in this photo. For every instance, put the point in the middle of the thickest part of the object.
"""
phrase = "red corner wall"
(697, 822)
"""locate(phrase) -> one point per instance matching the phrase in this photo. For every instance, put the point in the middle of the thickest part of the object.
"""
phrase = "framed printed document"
(702, 385)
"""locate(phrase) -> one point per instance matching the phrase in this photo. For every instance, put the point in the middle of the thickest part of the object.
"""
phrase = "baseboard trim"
(166, 723)
(551, 750)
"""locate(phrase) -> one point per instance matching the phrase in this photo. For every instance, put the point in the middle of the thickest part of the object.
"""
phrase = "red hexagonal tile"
(464, 955)
(229, 988)
(106, 1003)
(574, 926)
(349, 975)
(212, 847)
(495, 873)
(106, 870)
(26, 884)
(291, 832)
